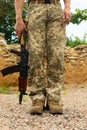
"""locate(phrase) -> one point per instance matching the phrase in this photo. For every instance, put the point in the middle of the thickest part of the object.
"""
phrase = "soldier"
(46, 28)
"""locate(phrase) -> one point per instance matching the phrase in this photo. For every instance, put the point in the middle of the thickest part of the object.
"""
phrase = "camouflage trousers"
(46, 35)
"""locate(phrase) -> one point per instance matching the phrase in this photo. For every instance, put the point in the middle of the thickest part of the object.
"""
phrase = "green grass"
(5, 88)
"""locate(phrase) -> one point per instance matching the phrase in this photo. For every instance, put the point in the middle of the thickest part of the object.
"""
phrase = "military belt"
(43, 1)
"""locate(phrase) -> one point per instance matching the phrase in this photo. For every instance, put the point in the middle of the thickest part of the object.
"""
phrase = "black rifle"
(21, 67)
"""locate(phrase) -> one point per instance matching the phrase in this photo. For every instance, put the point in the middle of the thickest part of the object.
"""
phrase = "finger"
(18, 32)
(19, 35)
(63, 15)
(25, 28)
(67, 18)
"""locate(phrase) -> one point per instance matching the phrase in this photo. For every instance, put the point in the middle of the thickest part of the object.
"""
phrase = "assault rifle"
(21, 67)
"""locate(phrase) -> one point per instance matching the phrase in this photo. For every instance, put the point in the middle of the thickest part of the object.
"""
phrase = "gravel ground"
(16, 117)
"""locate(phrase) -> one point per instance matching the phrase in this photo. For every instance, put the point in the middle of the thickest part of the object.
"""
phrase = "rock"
(2, 40)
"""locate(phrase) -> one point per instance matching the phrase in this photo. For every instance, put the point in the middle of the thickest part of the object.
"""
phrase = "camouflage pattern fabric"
(46, 33)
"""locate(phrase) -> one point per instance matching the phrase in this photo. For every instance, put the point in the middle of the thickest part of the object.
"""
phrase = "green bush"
(75, 40)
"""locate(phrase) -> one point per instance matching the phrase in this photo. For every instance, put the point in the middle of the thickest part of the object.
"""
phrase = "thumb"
(63, 14)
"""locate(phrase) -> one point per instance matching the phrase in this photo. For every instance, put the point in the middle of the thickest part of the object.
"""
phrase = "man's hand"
(66, 15)
(19, 27)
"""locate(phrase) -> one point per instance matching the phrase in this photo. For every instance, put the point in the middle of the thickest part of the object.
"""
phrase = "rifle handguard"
(22, 88)
(22, 84)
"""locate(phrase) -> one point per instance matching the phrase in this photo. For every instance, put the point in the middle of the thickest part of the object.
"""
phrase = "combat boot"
(37, 107)
(55, 107)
